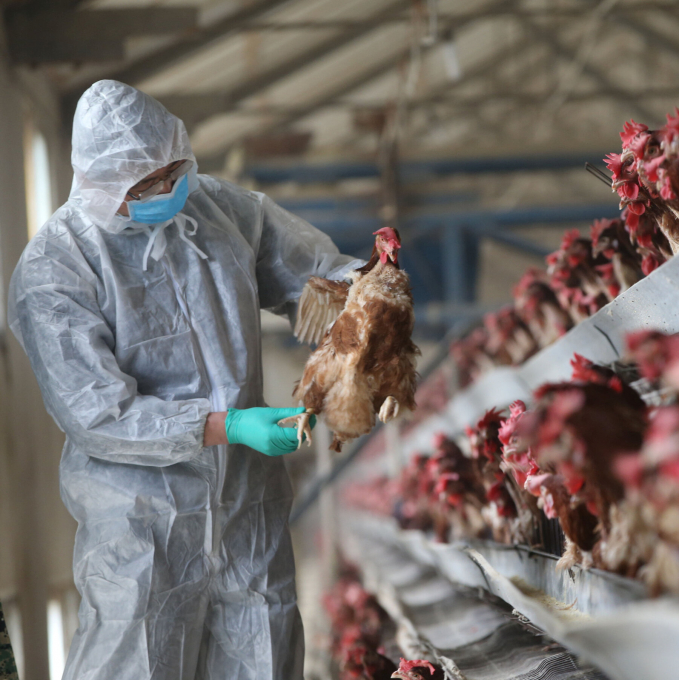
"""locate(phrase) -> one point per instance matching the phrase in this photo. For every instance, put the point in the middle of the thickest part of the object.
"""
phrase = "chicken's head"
(585, 371)
(387, 244)
(606, 236)
(417, 670)
(652, 351)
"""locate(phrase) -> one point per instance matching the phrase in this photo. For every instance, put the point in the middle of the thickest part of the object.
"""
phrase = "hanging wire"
(408, 81)
(423, 32)
(573, 72)
(433, 29)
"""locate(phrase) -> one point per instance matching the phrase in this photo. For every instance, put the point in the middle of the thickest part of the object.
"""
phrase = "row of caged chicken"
(359, 629)
(590, 454)
(586, 273)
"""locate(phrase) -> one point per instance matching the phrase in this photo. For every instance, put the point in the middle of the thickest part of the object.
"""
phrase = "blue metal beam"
(460, 253)
(314, 204)
(315, 173)
(507, 238)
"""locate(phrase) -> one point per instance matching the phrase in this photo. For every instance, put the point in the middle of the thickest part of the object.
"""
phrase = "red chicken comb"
(649, 264)
(671, 129)
(406, 665)
(583, 369)
(388, 233)
(652, 168)
(553, 258)
(442, 482)
(638, 145)
(613, 162)
(666, 190)
(597, 229)
(529, 277)
(630, 130)
(517, 407)
(507, 428)
(490, 417)
(569, 238)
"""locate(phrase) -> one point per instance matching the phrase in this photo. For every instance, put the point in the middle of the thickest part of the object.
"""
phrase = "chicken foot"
(301, 422)
(389, 409)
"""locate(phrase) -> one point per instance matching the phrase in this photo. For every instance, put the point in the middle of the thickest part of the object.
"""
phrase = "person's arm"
(215, 432)
(289, 251)
(55, 313)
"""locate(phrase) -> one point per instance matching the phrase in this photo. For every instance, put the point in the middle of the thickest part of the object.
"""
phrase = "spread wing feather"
(322, 301)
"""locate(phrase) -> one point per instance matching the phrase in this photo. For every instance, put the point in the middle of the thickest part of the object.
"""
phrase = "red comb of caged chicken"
(640, 177)
(586, 371)
(418, 669)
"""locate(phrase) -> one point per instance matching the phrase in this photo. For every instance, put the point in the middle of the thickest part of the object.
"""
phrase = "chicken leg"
(301, 422)
(389, 409)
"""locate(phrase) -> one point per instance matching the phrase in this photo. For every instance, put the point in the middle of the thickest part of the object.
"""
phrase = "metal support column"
(460, 263)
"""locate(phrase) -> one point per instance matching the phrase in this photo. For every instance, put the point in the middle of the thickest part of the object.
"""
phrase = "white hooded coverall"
(183, 556)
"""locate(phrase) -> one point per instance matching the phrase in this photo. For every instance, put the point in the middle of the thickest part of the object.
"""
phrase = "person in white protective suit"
(143, 329)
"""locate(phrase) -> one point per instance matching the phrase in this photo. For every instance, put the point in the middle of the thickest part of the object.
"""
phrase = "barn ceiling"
(319, 101)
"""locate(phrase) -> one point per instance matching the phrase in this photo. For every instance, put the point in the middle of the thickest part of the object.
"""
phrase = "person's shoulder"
(242, 209)
(56, 247)
(221, 189)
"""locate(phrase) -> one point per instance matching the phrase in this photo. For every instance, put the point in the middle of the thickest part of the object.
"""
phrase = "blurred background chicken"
(538, 306)
(418, 669)
(364, 365)
(575, 432)
(644, 535)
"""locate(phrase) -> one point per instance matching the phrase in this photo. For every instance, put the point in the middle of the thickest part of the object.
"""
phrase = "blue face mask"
(162, 207)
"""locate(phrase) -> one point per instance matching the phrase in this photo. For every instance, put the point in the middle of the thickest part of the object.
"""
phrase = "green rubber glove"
(258, 428)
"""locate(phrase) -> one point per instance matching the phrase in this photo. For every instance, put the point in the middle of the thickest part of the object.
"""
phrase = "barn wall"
(36, 533)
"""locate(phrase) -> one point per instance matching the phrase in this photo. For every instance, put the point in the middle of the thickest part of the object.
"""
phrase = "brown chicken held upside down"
(364, 364)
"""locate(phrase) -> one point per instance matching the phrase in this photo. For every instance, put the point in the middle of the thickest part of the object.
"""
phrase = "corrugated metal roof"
(531, 74)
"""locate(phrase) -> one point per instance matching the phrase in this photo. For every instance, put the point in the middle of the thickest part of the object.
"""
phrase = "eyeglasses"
(152, 187)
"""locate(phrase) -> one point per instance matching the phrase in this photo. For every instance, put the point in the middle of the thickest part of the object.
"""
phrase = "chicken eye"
(653, 150)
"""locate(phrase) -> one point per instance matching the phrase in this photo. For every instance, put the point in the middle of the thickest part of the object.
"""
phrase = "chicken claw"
(301, 422)
(389, 410)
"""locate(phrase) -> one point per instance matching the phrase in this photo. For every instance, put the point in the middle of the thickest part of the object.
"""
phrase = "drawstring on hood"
(155, 248)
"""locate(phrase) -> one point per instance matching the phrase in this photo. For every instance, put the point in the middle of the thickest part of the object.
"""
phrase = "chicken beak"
(397, 674)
